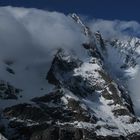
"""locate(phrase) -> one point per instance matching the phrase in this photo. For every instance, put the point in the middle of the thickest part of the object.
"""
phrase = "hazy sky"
(105, 9)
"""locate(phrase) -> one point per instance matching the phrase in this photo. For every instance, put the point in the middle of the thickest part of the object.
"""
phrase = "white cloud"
(45, 31)
(115, 28)
(27, 30)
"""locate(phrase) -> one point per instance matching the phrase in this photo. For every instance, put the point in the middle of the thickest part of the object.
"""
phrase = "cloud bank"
(33, 30)
(115, 28)
(24, 31)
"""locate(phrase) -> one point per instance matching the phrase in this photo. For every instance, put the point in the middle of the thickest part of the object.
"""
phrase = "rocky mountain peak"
(83, 98)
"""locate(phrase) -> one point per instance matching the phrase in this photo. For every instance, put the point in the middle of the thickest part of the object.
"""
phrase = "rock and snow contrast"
(72, 85)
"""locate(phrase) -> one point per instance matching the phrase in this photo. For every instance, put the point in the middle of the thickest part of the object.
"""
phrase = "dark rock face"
(61, 73)
(42, 111)
(8, 91)
(61, 65)
(134, 136)
(41, 115)
(11, 71)
(70, 133)
(110, 138)
(25, 112)
(50, 134)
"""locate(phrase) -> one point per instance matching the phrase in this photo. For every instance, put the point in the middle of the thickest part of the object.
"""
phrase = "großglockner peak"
(88, 99)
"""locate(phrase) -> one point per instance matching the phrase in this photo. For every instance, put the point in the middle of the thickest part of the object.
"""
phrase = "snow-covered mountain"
(73, 97)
